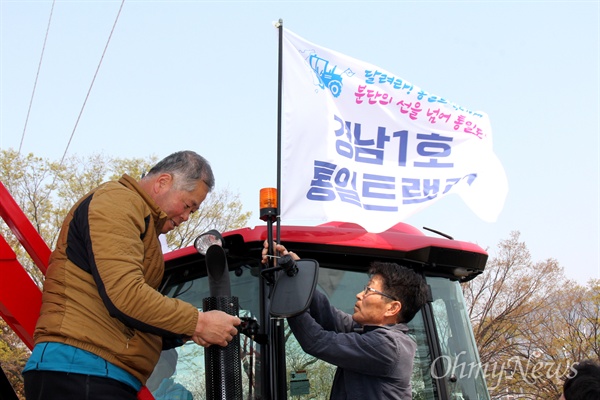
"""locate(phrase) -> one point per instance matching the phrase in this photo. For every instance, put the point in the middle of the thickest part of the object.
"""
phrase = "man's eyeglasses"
(369, 290)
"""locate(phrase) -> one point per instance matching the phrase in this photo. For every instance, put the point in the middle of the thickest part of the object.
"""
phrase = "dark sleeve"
(329, 317)
(170, 342)
(371, 353)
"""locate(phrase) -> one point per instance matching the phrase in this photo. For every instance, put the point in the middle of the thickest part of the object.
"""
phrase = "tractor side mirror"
(294, 288)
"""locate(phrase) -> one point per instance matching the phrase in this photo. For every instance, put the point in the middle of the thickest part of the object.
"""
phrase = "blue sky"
(202, 75)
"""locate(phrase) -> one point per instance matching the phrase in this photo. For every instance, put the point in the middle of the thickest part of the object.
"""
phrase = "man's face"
(371, 308)
(178, 204)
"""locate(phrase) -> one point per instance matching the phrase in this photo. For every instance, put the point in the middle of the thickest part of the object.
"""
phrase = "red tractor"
(270, 362)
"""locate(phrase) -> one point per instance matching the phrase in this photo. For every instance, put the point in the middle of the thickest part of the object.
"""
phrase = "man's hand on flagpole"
(280, 249)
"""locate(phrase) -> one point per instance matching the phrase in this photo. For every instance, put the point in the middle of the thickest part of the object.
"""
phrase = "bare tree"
(511, 288)
(13, 355)
(530, 322)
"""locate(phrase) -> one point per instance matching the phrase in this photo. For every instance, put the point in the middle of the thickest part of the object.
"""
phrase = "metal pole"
(277, 334)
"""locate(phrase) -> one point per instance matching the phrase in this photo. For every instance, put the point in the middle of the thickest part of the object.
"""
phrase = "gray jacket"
(374, 362)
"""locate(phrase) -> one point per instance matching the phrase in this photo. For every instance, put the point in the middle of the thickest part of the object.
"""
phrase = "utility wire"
(36, 77)
(86, 98)
(91, 85)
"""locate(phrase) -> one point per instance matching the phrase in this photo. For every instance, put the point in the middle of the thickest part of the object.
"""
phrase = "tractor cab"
(273, 365)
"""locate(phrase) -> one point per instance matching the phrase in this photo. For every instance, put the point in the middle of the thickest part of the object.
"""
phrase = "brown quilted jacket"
(100, 288)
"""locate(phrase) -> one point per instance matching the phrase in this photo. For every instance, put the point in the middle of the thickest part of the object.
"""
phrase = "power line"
(36, 77)
(86, 98)
(92, 83)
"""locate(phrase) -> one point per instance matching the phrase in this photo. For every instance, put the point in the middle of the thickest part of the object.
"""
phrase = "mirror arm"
(267, 273)
(250, 328)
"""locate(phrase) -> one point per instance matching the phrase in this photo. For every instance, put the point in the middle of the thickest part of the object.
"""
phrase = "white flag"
(363, 145)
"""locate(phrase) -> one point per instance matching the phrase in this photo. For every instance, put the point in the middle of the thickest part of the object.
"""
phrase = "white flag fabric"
(361, 144)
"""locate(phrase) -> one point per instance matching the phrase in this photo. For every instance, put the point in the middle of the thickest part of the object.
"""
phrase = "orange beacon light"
(268, 204)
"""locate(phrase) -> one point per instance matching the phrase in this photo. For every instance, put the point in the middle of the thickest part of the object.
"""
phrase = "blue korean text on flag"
(361, 144)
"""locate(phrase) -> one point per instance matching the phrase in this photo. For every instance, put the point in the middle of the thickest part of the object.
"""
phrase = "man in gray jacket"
(371, 348)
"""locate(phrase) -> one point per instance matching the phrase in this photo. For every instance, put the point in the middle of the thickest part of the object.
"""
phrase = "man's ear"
(393, 309)
(162, 182)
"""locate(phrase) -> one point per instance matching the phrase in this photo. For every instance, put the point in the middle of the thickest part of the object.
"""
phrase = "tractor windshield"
(456, 373)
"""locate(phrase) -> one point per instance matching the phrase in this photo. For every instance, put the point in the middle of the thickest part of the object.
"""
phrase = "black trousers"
(52, 385)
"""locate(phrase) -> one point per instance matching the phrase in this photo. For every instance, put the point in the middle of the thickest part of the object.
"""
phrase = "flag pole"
(278, 367)
(279, 119)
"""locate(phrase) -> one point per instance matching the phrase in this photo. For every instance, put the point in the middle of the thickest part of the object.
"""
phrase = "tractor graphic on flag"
(326, 74)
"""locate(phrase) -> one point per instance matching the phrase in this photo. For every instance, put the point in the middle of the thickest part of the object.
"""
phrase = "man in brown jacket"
(103, 324)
